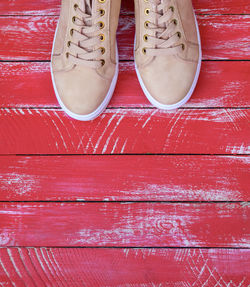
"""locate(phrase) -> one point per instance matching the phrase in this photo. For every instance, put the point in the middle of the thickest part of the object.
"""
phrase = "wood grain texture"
(52, 7)
(38, 131)
(221, 84)
(125, 224)
(31, 124)
(155, 178)
(124, 267)
(222, 37)
(31, 37)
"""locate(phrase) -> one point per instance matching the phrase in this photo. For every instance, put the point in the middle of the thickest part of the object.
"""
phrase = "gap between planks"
(127, 108)
(128, 247)
(124, 154)
(242, 203)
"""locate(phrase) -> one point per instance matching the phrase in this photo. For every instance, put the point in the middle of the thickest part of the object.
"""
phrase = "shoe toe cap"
(81, 93)
(169, 82)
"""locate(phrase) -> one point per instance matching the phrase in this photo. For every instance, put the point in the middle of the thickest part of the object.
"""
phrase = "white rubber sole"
(104, 104)
(189, 94)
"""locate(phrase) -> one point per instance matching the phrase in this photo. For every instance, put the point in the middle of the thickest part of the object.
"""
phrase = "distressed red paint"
(124, 267)
(26, 34)
(35, 35)
(130, 131)
(131, 224)
(157, 178)
(221, 84)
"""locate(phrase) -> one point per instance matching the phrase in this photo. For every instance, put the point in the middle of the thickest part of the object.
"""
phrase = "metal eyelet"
(145, 37)
(103, 50)
(103, 62)
(71, 32)
(67, 55)
(147, 10)
(102, 1)
(146, 24)
(102, 37)
(175, 21)
(183, 47)
(179, 34)
(144, 51)
(102, 12)
(69, 43)
(75, 6)
(74, 19)
(171, 8)
(101, 24)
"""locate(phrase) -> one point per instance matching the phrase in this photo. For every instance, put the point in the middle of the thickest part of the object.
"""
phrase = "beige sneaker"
(85, 59)
(167, 51)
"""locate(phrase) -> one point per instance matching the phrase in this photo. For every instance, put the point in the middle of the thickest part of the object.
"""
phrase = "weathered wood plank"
(52, 7)
(222, 37)
(155, 178)
(125, 224)
(31, 37)
(124, 267)
(40, 131)
(221, 84)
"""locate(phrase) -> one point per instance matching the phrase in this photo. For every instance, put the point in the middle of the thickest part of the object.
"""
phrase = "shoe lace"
(85, 36)
(167, 38)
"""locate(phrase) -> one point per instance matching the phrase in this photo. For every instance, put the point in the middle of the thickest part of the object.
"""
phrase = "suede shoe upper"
(167, 49)
(84, 59)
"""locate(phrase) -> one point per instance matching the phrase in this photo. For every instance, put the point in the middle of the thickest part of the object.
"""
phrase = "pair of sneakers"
(85, 57)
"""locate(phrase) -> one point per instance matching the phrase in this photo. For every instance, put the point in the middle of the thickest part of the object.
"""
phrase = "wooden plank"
(22, 7)
(221, 84)
(222, 37)
(222, 6)
(124, 267)
(125, 224)
(30, 38)
(41, 131)
(232, 37)
(52, 7)
(155, 178)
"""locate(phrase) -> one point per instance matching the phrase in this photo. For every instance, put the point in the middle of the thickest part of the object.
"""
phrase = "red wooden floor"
(139, 197)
